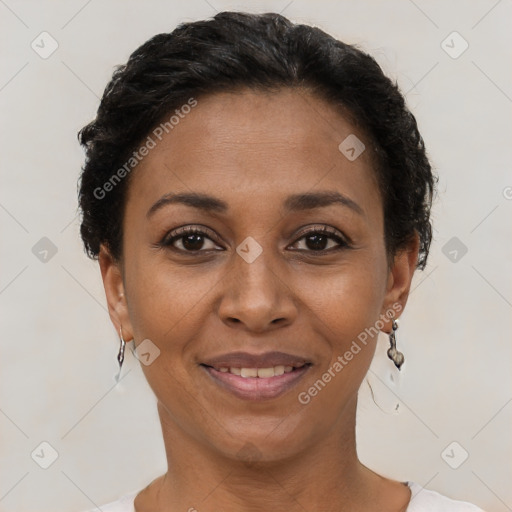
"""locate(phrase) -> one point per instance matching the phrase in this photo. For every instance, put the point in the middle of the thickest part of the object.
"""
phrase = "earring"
(120, 355)
(393, 354)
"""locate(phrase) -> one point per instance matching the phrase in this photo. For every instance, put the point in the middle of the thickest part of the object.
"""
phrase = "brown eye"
(322, 240)
(316, 242)
(192, 242)
(189, 239)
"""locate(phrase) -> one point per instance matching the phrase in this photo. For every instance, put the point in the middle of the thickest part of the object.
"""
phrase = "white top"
(422, 500)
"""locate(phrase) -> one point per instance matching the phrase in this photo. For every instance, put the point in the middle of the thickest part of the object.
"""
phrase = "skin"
(253, 150)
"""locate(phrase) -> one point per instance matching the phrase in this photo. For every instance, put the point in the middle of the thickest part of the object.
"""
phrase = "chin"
(262, 441)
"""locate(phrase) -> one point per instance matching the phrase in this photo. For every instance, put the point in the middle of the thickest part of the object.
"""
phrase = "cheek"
(165, 298)
(170, 305)
(163, 306)
(345, 314)
(349, 300)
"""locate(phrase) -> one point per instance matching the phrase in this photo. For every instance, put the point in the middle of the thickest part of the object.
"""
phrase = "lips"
(256, 377)
(246, 360)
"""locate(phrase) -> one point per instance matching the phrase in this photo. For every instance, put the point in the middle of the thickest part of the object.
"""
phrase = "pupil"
(193, 242)
(319, 242)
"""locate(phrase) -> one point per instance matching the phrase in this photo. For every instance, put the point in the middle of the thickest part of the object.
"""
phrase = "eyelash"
(180, 233)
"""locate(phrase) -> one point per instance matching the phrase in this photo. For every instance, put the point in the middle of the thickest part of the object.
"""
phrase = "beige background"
(58, 348)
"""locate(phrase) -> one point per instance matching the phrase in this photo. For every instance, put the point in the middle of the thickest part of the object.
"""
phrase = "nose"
(255, 296)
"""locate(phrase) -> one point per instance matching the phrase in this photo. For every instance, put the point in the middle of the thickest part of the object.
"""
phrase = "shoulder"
(424, 500)
(123, 504)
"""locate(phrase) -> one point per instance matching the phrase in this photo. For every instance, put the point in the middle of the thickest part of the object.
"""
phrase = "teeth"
(263, 373)
(266, 372)
(278, 370)
(249, 372)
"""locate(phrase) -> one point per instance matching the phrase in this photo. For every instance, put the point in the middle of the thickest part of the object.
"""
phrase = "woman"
(258, 196)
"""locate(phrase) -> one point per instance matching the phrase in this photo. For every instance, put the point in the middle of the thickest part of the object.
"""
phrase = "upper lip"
(246, 360)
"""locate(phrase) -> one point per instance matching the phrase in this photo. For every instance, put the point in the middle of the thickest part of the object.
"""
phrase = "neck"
(326, 475)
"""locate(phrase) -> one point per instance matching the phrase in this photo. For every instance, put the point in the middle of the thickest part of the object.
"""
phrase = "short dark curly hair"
(233, 51)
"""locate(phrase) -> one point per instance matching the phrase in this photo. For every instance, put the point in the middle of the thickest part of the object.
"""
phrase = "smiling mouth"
(257, 383)
(261, 373)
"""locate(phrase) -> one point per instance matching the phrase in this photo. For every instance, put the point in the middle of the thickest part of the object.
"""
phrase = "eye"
(190, 239)
(318, 240)
(193, 239)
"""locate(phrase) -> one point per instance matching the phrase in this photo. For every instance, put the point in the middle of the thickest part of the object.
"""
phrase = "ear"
(112, 276)
(399, 281)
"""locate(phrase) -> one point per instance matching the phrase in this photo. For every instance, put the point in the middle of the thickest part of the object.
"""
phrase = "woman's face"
(257, 174)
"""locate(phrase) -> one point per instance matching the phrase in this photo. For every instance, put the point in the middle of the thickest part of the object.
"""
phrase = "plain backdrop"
(58, 347)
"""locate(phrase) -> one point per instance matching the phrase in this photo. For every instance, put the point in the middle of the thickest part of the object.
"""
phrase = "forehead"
(249, 143)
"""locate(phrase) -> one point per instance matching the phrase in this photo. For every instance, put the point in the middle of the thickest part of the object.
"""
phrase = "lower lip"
(256, 388)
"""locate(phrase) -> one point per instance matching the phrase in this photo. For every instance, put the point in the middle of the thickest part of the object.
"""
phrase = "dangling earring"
(393, 354)
(120, 355)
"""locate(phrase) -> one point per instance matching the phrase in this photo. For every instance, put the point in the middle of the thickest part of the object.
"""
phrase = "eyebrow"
(194, 199)
(311, 200)
(296, 202)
